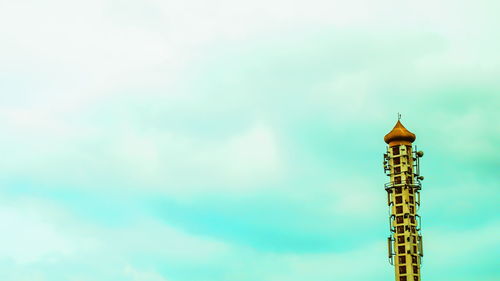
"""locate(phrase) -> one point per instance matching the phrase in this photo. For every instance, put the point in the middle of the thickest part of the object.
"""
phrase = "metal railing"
(413, 184)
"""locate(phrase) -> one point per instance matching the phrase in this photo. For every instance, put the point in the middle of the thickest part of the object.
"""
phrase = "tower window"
(412, 209)
(411, 199)
(413, 229)
(397, 180)
(415, 269)
(401, 239)
(412, 219)
(402, 269)
(397, 170)
(415, 278)
(397, 160)
(402, 278)
(395, 150)
(414, 259)
(399, 209)
(400, 229)
(398, 190)
(399, 199)
(401, 249)
(402, 259)
(399, 219)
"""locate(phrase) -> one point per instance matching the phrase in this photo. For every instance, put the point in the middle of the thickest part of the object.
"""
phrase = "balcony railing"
(413, 184)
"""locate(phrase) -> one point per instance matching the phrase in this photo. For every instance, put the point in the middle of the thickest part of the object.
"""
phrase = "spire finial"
(399, 116)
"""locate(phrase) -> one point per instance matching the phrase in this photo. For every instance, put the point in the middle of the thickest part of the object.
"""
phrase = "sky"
(242, 140)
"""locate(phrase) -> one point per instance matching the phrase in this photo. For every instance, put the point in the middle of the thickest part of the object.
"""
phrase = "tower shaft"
(401, 164)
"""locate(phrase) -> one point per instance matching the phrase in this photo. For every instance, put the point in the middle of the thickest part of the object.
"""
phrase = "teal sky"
(242, 140)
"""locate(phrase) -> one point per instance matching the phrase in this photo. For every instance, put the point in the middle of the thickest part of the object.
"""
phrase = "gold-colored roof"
(399, 135)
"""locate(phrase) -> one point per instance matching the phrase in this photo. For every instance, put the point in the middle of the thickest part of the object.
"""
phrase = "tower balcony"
(404, 183)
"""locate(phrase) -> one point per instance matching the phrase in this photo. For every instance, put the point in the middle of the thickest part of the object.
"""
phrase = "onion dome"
(399, 135)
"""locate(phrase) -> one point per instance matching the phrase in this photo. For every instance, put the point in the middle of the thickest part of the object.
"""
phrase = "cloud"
(28, 237)
(194, 140)
(136, 275)
(43, 241)
(480, 243)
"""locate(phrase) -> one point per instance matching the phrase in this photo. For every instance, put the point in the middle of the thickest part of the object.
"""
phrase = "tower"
(401, 164)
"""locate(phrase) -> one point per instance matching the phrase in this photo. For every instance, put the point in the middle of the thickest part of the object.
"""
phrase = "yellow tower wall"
(403, 194)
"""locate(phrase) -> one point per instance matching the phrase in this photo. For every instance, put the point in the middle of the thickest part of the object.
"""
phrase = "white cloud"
(471, 133)
(138, 275)
(65, 64)
(250, 157)
(233, 164)
(481, 243)
(159, 239)
(321, 266)
(29, 233)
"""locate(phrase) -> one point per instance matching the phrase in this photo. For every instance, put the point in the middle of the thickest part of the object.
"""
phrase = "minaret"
(401, 164)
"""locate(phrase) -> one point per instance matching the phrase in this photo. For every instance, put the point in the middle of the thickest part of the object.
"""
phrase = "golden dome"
(399, 135)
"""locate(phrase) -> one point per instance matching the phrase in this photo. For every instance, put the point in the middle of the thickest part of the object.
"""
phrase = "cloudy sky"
(242, 140)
